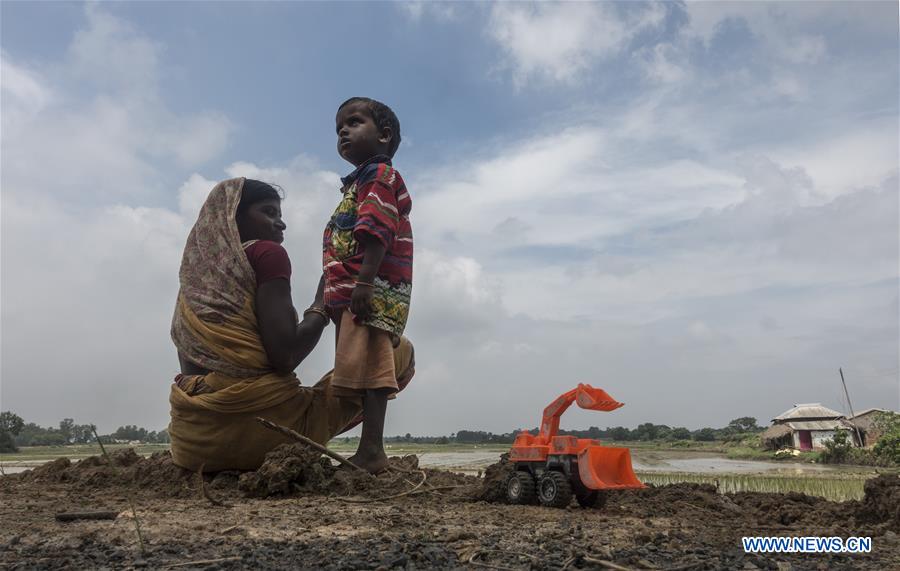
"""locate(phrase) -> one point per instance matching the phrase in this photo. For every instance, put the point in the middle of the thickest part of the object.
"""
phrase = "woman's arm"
(286, 342)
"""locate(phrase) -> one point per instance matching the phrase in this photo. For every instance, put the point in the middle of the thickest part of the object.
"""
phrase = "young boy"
(367, 262)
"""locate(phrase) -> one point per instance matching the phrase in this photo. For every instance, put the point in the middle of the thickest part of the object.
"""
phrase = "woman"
(239, 341)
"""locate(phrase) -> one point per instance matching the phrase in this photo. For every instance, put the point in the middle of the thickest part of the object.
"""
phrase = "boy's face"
(359, 138)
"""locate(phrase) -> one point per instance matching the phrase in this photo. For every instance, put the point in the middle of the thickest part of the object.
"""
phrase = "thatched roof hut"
(806, 427)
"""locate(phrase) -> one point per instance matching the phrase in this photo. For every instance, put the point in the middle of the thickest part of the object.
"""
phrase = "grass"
(833, 487)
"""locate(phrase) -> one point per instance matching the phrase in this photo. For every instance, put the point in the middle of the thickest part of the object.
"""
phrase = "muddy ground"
(299, 512)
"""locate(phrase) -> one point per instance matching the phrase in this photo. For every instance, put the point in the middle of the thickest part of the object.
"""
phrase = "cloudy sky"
(692, 206)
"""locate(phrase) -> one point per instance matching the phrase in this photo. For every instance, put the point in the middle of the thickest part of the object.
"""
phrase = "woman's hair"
(255, 191)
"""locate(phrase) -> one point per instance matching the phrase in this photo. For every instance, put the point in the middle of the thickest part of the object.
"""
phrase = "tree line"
(15, 432)
(645, 432)
(736, 430)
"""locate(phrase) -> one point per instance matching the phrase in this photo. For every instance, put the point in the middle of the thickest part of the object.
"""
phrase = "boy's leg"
(370, 454)
(364, 364)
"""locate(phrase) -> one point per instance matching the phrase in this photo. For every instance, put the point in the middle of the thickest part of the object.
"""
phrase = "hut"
(806, 427)
(864, 420)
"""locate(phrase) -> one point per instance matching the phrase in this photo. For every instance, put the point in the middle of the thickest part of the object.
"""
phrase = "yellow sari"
(215, 327)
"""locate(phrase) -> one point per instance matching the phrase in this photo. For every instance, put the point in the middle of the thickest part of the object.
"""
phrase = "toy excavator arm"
(586, 396)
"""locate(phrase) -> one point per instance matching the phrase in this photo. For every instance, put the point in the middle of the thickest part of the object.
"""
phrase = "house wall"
(819, 437)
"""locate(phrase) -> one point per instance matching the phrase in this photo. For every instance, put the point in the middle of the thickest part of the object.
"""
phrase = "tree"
(10, 425)
(837, 448)
(888, 446)
(705, 435)
(620, 433)
(743, 424)
(66, 428)
(680, 433)
(11, 422)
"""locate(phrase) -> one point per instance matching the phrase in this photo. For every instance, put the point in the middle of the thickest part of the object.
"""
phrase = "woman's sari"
(215, 327)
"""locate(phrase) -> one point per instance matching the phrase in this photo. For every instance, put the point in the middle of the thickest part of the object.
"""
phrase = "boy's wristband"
(367, 284)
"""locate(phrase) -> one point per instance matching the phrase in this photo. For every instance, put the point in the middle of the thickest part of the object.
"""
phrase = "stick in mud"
(604, 563)
(311, 443)
(205, 491)
(72, 516)
(137, 523)
(401, 494)
(202, 562)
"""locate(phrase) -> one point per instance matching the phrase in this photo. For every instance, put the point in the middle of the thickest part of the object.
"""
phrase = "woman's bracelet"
(318, 310)
(367, 284)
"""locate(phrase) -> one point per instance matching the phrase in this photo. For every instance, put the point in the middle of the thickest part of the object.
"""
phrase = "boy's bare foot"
(374, 462)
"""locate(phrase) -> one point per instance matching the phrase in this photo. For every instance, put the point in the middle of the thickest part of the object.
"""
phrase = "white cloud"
(109, 145)
(110, 53)
(783, 33)
(558, 41)
(25, 94)
(661, 63)
(806, 50)
(861, 156)
(655, 250)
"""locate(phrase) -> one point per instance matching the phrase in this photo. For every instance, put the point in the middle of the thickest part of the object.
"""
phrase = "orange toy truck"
(551, 469)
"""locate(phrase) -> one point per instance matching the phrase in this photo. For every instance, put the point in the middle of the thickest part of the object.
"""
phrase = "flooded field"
(837, 488)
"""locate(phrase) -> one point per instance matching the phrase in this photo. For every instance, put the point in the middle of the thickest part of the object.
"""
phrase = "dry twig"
(518, 553)
(471, 561)
(72, 516)
(605, 564)
(381, 499)
(202, 562)
(205, 491)
(311, 443)
(137, 523)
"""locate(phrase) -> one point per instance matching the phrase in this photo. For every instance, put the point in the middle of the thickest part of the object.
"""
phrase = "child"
(367, 264)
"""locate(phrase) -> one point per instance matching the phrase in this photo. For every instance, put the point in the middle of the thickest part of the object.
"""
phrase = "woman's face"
(262, 221)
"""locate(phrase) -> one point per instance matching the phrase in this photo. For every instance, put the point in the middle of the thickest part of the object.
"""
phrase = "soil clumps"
(493, 487)
(297, 469)
(881, 503)
(299, 511)
(156, 473)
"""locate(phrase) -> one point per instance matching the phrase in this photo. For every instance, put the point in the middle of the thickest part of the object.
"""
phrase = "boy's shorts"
(363, 357)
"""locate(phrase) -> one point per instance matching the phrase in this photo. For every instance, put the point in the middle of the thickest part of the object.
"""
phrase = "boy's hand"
(320, 292)
(361, 301)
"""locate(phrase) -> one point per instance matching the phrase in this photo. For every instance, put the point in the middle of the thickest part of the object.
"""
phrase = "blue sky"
(681, 203)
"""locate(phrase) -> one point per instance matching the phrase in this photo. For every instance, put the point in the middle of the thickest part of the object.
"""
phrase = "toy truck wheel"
(520, 488)
(554, 490)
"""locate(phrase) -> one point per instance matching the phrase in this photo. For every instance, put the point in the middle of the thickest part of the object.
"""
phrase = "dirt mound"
(655, 501)
(297, 469)
(289, 468)
(493, 487)
(156, 473)
(881, 503)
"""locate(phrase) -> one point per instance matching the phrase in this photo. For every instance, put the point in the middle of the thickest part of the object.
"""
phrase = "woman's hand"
(361, 300)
